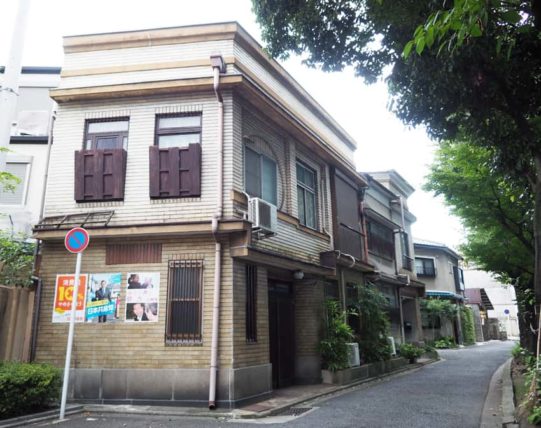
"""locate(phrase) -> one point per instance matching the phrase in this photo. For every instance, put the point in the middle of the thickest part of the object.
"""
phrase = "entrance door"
(282, 333)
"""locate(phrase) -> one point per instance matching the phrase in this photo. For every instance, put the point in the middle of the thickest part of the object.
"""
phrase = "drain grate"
(295, 411)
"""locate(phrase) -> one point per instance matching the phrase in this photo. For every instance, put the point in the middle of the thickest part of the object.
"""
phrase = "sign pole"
(70, 336)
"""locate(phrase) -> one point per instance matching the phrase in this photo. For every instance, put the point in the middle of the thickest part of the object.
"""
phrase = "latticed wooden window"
(251, 303)
(184, 301)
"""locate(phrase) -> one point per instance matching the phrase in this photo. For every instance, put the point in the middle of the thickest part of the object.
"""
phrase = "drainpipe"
(37, 295)
(218, 66)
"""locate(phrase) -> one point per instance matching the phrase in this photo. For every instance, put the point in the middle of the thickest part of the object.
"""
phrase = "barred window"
(184, 310)
(251, 303)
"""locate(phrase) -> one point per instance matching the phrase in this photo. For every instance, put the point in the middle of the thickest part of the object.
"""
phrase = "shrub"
(445, 343)
(333, 348)
(27, 388)
(372, 307)
(410, 351)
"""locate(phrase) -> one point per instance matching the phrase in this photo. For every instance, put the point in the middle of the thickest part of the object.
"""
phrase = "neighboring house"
(390, 250)
(502, 297)
(27, 156)
(480, 303)
(230, 257)
(438, 267)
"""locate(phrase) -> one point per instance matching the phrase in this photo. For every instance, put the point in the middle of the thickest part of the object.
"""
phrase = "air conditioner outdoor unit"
(404, 279)
(353, 354)
(390, 339)
(263, 216)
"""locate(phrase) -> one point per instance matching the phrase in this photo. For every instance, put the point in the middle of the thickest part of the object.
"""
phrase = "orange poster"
(63, 297)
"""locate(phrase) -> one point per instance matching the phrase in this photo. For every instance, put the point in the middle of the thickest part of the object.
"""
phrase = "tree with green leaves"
(437, 310)
(16, 260)
(497, 212)
(476, 77)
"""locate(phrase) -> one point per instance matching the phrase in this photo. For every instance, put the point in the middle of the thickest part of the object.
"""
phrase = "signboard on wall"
(103, 297)
(63, 296)
(142, 294)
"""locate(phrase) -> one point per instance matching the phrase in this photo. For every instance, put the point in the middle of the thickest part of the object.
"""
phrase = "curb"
(508, 397)
(40, 417)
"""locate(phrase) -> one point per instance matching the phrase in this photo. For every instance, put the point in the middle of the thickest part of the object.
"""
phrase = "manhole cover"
(296, 411)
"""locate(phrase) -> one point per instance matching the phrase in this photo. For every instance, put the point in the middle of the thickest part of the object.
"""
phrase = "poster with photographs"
(63, 296)
(103, 298)
(142, 294)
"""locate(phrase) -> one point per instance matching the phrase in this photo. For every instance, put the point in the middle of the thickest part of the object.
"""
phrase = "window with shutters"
(175, 158)
(425, 267)
(100, 168)
(17, 195)
(260, 176)
(251, 303)
(184, 310)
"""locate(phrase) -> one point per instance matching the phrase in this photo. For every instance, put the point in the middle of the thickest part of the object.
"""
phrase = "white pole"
(70, 336)
(10, 84)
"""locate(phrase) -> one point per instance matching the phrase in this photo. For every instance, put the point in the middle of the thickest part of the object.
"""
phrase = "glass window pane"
(179, 122)
(309, 178)
(112, 126)
(300, 204)
(300, 173)
(15, 197)
(252, 173)
(104, 143)
(310, 210)
(178, 140)
(268, 182)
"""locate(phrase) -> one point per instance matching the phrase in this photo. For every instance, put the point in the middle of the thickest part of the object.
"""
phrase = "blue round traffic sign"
(76, 240)
(506, 311)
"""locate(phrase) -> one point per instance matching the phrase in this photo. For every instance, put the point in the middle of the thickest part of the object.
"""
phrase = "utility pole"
(10, 85)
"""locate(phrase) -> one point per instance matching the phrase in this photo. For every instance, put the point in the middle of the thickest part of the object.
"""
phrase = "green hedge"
(468, 328)
(26, 388)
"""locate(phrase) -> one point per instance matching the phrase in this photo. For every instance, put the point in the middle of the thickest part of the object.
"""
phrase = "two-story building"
(390, 249)
(438, 267)
(208, 179)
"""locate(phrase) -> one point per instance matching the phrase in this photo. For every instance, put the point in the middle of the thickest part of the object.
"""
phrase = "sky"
(383, 141)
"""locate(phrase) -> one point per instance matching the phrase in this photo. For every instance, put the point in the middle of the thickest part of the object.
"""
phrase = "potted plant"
(410, 352)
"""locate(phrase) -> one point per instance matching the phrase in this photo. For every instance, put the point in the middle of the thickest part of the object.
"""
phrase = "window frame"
(392, 245)
(179, 130)
(25, 181)
(423, 260)
(118, 134)
(305, 188)
(184, 338)
(261, 158)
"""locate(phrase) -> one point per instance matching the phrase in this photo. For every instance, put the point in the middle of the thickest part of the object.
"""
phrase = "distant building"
(438, 267)
(502, 297)
(27, 156)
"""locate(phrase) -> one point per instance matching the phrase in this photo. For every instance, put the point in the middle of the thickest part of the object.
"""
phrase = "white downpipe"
(218, 248)
(10, 85)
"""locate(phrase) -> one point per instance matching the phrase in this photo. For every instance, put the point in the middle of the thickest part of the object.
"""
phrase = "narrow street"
(450, 393)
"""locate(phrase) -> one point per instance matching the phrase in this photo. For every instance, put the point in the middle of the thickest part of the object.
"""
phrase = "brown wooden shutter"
(194, 165)
(154, 169)
(100, 175)
(175, 172)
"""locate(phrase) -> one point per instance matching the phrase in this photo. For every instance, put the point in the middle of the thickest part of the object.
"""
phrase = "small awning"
(443, 294)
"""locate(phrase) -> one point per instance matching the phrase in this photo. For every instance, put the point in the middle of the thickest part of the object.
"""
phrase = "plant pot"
(413, 360)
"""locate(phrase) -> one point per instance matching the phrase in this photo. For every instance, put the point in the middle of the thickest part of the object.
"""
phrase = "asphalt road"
(450, 393)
